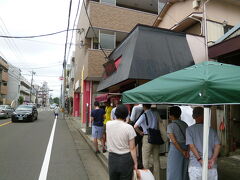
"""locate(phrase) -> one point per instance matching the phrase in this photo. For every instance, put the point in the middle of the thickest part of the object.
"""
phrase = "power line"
(54, 65)
(73, 28)
(65, 50)
(36, 36)
(93, 29)
(10, 40)
(40, 75)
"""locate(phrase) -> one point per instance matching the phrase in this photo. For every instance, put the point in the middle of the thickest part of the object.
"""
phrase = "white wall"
(13, 83)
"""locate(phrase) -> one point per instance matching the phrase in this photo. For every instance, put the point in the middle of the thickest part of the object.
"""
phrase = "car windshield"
(24, 108)
(2, 106)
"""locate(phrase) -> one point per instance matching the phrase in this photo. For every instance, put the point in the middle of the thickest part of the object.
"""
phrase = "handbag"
(154, 135)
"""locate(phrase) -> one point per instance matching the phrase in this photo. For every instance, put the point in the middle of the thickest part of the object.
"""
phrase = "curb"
(101, 157)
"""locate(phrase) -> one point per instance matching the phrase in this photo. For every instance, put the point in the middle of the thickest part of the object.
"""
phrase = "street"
(23, 150)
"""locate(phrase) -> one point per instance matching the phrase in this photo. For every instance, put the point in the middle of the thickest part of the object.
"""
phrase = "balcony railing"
(4, 90)
(4, 76)
(143, 5)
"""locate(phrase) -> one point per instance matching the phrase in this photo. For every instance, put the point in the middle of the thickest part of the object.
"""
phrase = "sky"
(43, 55)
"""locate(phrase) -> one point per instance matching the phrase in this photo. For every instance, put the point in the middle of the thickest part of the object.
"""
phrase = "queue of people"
(130, 149)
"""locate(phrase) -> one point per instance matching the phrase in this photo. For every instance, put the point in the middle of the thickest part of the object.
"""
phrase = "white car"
(52, 106)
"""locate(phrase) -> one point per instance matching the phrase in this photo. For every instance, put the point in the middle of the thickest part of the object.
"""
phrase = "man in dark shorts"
(97, 117)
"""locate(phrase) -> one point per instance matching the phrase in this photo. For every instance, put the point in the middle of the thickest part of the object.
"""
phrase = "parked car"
(6, 111)
(32, 104)
(25, 113)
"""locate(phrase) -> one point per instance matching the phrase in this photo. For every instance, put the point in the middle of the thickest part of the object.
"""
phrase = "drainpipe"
(207, 116)
(205, 28)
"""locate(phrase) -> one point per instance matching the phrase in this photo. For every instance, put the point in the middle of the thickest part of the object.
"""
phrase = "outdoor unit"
(196, 4)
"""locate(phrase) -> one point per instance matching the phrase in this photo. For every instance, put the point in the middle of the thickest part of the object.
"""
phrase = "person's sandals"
(97, 152)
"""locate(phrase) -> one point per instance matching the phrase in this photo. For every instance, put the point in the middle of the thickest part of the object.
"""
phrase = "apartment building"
(69, 87)
(25, 89)
(3, 81)
(223, 18)
(187, 16)
(13, 84)
(111, 21)
(43, 94)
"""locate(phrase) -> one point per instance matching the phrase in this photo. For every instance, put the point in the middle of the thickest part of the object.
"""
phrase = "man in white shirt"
(121, 146)
(147, 148)
(136, 112)
(56, 110)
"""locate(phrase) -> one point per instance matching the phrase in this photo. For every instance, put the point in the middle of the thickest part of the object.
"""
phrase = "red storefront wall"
(87, 89)
(76, 102)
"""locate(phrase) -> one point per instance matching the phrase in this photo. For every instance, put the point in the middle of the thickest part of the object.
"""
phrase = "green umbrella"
(206, 83)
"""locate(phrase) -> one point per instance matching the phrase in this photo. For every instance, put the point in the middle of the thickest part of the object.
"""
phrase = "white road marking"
(45, 165)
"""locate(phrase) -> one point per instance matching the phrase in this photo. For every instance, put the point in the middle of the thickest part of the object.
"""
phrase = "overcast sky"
(42, 55)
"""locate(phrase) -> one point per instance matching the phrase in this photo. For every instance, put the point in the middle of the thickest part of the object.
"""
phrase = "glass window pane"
(160, 6)
(112, 2)
(107, 41)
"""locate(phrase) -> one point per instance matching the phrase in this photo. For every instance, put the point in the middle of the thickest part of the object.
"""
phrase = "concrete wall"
(117, 18)
(217, 10)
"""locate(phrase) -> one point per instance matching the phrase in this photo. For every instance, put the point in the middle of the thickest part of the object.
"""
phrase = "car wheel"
(32, 119)
(13, 121)
(36, 118)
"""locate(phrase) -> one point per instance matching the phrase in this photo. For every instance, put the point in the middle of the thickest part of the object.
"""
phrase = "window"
(215, 31)
(160, 6)
(95, 43)
(107, 40)
(227, 28)
(111, 2)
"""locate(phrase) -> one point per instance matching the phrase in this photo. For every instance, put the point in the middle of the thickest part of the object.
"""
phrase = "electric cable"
(78, 6)
(36, 36)
(93, 29)
(49, 66)
(68, 24)
(11, 41)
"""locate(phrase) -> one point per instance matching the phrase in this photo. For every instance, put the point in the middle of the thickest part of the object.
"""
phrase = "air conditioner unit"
(196, 4)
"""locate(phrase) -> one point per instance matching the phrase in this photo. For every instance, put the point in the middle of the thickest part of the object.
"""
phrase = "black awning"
(148, 52)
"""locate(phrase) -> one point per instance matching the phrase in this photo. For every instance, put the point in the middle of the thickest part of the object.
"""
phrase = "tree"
(56, 100)
(20, 100)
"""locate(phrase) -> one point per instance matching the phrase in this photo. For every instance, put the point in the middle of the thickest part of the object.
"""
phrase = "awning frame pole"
(206, 125)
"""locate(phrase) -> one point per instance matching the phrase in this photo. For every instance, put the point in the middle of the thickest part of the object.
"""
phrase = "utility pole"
(33, 73)
(64, 90)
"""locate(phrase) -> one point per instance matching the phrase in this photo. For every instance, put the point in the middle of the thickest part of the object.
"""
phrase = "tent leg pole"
(207, 118)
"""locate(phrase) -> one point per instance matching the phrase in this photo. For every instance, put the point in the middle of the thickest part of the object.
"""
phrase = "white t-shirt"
(119, 133)
(152, 121)
(56, 110)
(136, 111)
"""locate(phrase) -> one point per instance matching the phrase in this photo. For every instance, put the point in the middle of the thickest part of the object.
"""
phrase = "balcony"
(105, 16)
(4, 90)
(24, 90)
(96, 59)
(3, 63)
(4, 76)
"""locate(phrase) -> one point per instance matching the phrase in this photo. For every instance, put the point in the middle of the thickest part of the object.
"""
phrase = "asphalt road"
(23, 150)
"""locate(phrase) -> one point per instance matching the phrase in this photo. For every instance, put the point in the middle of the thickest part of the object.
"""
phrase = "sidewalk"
(94, 168)
(228, 167)
(103, 157)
